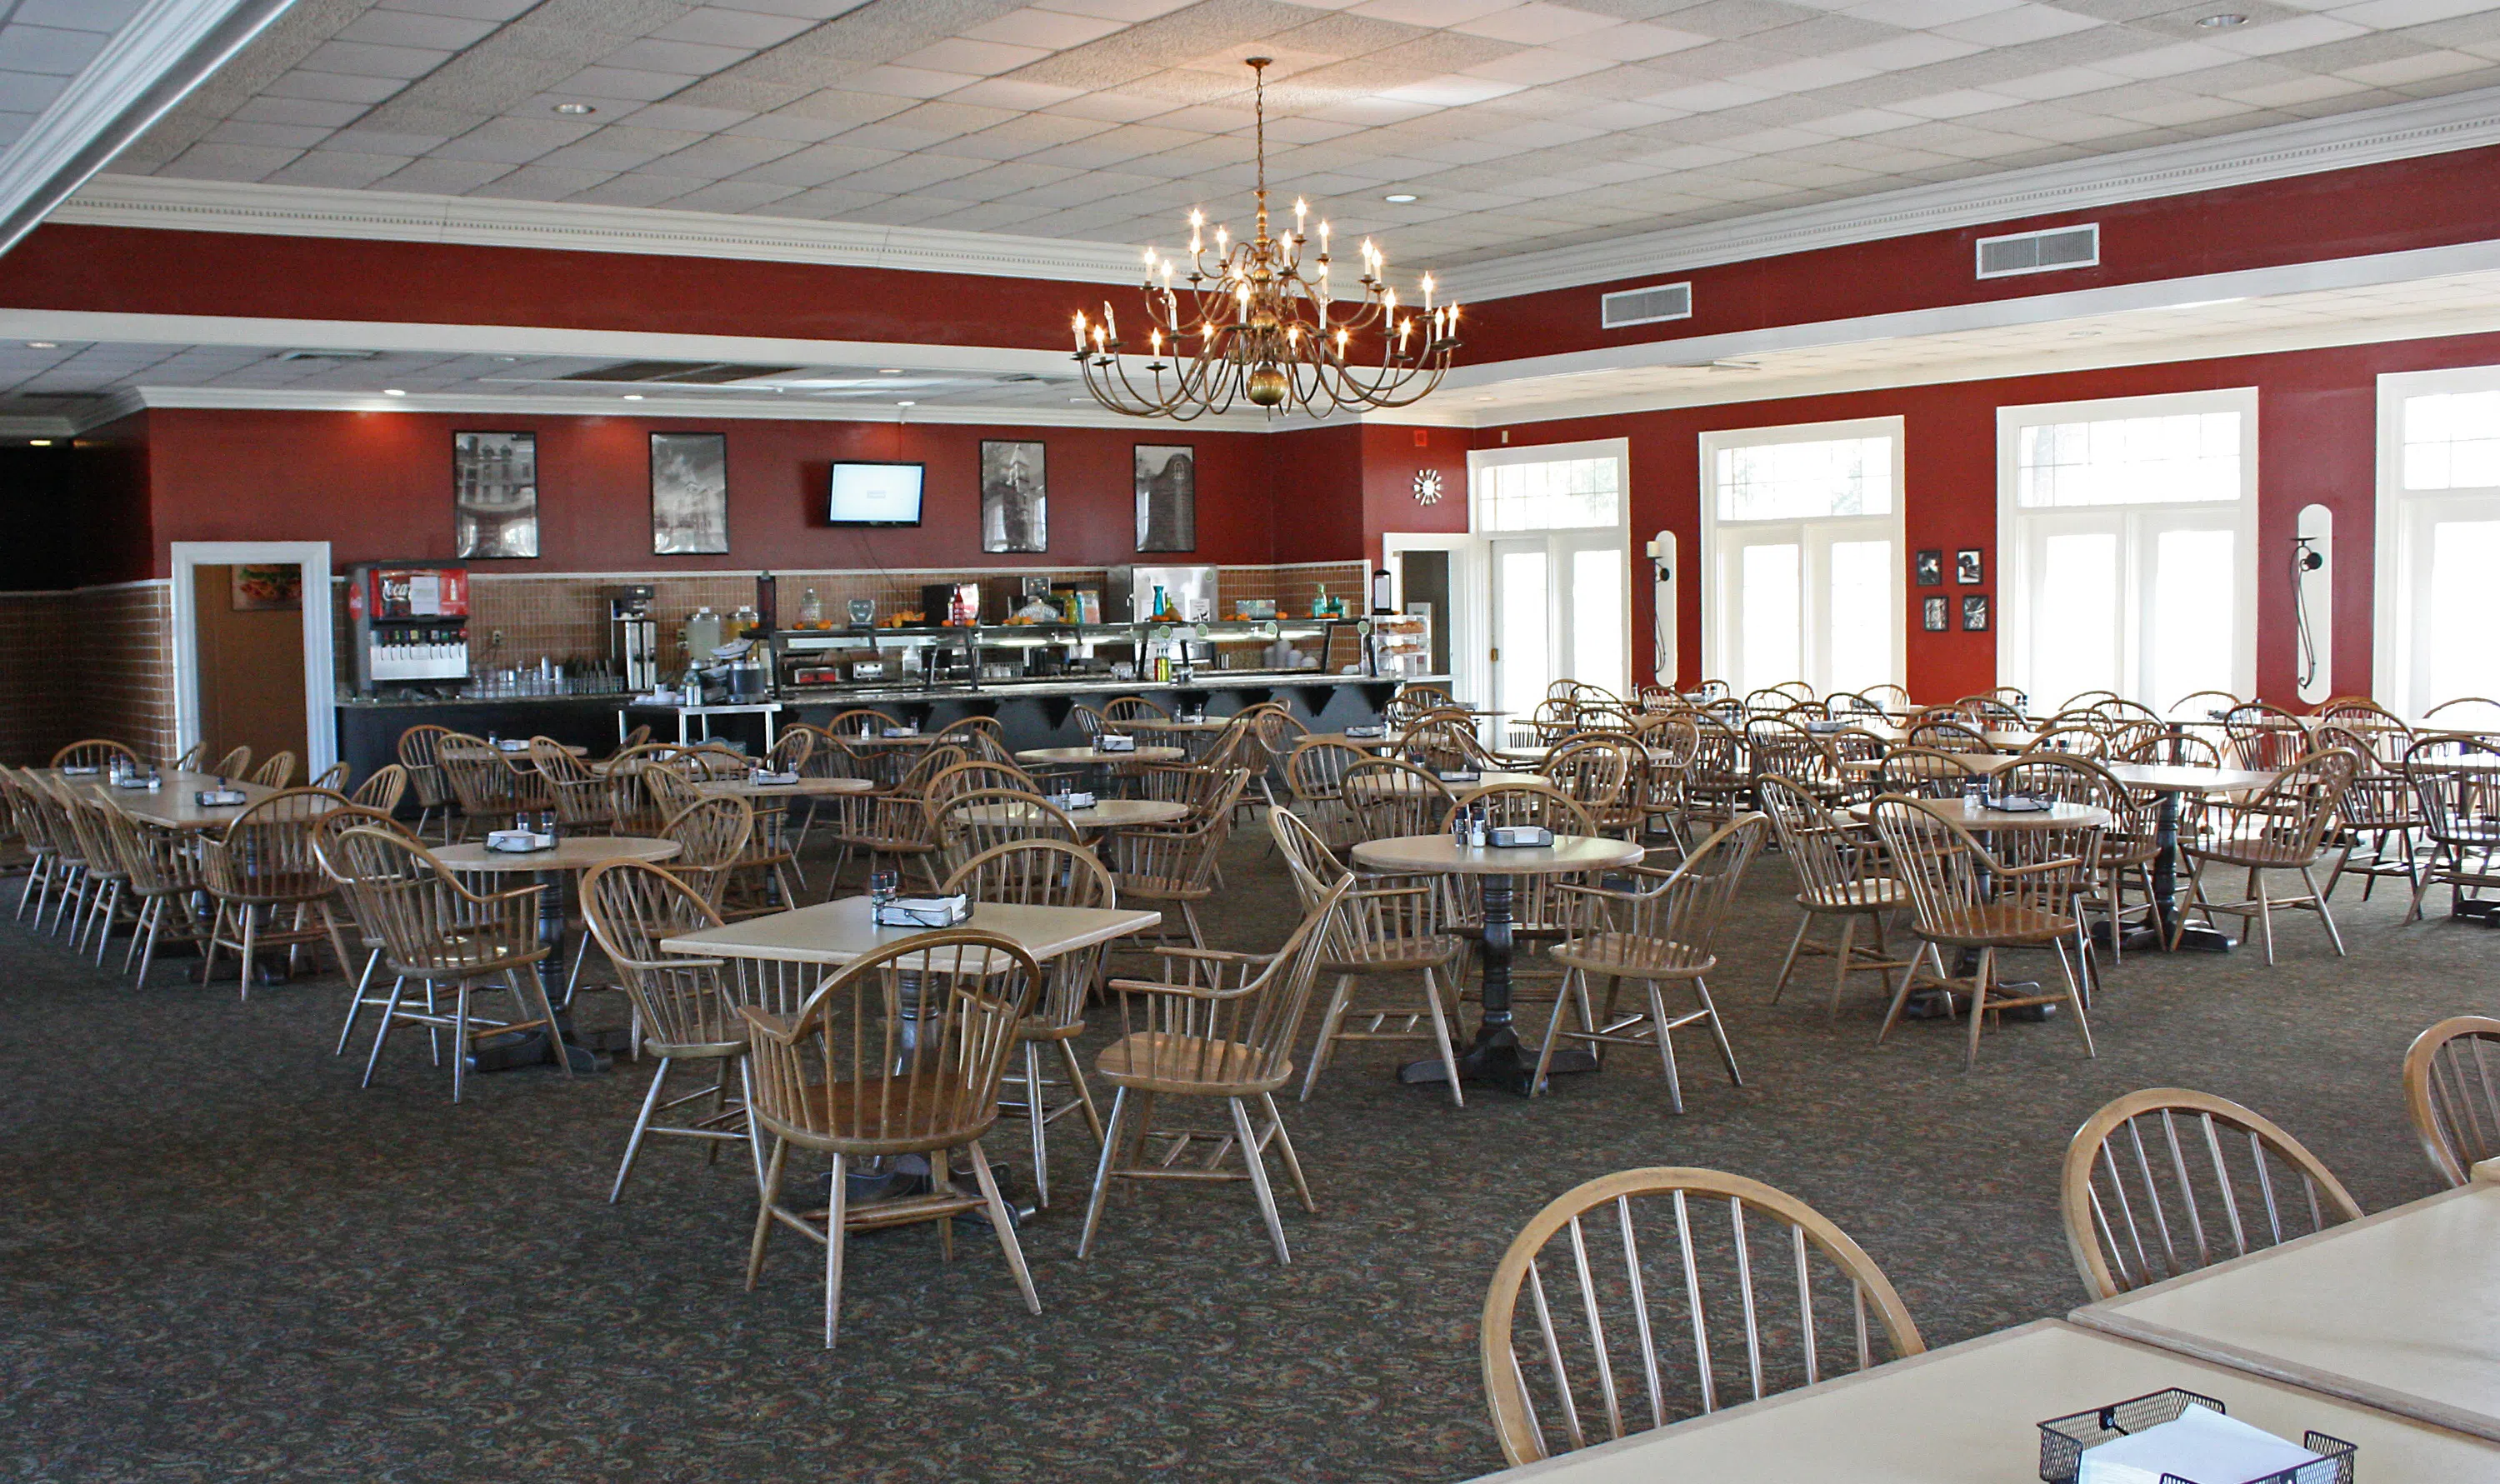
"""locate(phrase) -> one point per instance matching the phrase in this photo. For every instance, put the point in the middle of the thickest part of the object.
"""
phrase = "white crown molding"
(656, 405)
(305, 211)
(158, 55)
(2401, 131)
(37, 426)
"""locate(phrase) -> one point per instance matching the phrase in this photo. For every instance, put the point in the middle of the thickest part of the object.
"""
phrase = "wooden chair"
(34, 834)
(979, 820)
(383, 789)
(1384, 926)
(681, 1015)
(1663, 931)
(1215, 1025)
(437, 932)
(1924, 773)
(977, 772)
(1540, 912)
(352, 939)
(165, 879)
(334, 777)
(2264, 738)
(710, 835)
(1963, 896)
(2146, 1199)
(418, 752)
(98, 753)
(262, 867)
(488, 789)
(1131, 708)
(234, 765)
(1388, 798)
(892, 825)
(2461, 813)
(2453, 1091)
(1778, 747)
(1949, 736)
(2128, 844)
(1173, 866)
(69, 863)
(2290, 825)
(1760, 1302)
(1281, 732)
(827, 1080)
(277, 770)
(108, 880)
(1839, 873)
(1602, 772)
(585, 801)
(2378, 819)
(1046, 873)
(1413, 702)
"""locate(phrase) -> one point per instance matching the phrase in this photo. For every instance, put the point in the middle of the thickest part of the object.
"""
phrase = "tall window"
(2439, 535)
(2125, 546)
(1801, 535)
(1554, 522)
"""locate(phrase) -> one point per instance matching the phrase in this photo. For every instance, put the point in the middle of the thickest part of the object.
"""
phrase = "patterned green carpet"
(219, 1259)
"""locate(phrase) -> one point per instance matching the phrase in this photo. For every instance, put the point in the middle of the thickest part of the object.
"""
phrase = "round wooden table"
(808, 787)
(1080, 756)
(1984, 820)
(549, 867)
(1104, 815)
(1494, 1056)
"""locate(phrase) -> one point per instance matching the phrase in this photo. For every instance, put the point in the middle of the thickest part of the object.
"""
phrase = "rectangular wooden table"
(176, 804)
(2400, 1310)
(834, 932)
(1969, 1414)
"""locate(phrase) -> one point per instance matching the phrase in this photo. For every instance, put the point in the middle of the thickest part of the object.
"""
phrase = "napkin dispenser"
(922, 911)
(142, 781)
(768, 776)
(2016, 804)
(519, 842)
(1514, 837)
(1071, 801)
(221, 798)
(1115, 741)
(1367, 730)
(901, 731)
(80, 770)
(512, 744)
(1458, 776)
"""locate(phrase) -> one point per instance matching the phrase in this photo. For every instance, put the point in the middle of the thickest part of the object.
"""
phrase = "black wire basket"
(2063, 1440)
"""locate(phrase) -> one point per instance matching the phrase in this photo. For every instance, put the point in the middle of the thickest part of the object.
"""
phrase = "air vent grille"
(684, 372)
(1645, 305)
(2004, 258)
(327, 355)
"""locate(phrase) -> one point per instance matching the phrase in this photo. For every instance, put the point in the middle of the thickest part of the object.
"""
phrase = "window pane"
(2193, 456)
(2074, 617)
(1599, 617)
(1862, 618)
(2190, 641)
(2458, 657)
(1768, 630)
(1552, 495)
(2452, 441)
(1805, 482)
(1520, 633)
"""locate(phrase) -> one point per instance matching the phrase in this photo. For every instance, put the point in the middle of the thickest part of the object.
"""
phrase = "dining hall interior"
(1313, 740)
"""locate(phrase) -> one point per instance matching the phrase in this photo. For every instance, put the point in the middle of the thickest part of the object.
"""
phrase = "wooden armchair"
(1173, 865)
(2290, 825)
(262, 868)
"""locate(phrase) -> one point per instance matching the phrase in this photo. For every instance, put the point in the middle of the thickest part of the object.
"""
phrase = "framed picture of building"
(1166, 476)
(689, 494)
(1015, 496)
(495, 494)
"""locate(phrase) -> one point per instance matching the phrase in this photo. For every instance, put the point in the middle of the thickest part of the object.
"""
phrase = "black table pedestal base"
(1497, 1057)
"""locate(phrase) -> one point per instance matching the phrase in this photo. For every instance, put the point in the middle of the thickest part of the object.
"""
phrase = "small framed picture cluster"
(1936, 610)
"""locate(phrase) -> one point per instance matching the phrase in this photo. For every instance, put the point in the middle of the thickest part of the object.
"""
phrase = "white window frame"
(2392, 600)
(1719, 638)
(2009, 591)
(1479, 460)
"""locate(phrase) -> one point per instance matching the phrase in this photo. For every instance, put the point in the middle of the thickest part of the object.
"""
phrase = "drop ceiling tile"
(333, 86)
(279, 136)
(337, 168)
(1048, 30)
(635, 188)
(1129, 10)
(716, 26)
(624, 83)
(1014, 93)
(412, 29)
(104, 16)
(442, 177)
(692, 60)
(28, 92)
(542, 183)
(906, 82)
(385, 142)
(227, 162)
(821, 165)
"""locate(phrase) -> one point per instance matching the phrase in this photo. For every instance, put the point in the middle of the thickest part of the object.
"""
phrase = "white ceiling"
(1520, 124)
(44, 45)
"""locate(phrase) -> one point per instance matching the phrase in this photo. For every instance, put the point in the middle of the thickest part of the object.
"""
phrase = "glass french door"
(2450, 548)
(1817, 602)
(2137, 602)
(1559, 611)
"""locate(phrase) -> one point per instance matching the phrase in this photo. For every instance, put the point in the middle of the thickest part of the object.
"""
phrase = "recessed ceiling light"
(632, 396)
(43, 345)
(393, 392)
(574, 109)
(1484, 398)
(2080, 334)
(907, 403)
(2222, 22)
(890, 371)
(1399, 197)
(39, 442)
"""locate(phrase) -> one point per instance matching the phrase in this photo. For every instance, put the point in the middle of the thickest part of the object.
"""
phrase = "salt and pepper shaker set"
(1469, 826)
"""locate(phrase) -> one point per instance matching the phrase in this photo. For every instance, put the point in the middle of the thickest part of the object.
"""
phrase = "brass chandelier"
(1245, 323)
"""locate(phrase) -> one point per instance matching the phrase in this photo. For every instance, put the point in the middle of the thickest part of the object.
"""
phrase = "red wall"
(2317, 444)
(1319, 494)
(1392, 458)
(378, 485)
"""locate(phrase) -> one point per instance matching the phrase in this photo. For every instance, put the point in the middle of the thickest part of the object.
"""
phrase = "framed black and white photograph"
(1166, 497)
(1015, 496)
(495, 494)
(1970, 568)
(689, 494)
(1931, 569)
(1974, 613)
(1938, 614)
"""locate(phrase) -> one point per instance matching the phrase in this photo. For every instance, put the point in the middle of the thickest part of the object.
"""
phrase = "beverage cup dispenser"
(632, 636)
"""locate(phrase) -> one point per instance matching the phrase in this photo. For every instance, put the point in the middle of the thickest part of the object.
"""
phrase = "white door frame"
(1471, 672)
(320, 695)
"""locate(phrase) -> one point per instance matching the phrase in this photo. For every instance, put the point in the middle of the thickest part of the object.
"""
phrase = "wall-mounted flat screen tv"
(874, 494)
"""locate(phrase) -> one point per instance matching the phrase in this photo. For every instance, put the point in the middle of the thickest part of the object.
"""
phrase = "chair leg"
(250, 941)
(147, 952)
(2265, 913)
(1441, 1037)
(837, 1229)
(1258, 1179)
(1084, 1093)
(1329, 1021)
(1717, 1030)
(460, 1040)
(1040, 1125)
(1665, 1044)
(390, 1014)
(546, 1007)
(1103, 1169)
(1285, 1148)
(2333, 934)
(357, 1002)
(1797, 945)
(1901, 996)
(754, 1126)
(767, 1189)
(1986, 979)
(642, 1122)
(1004, 1224)
(2075, 1001)
(1840, 976)
(1573, 978)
